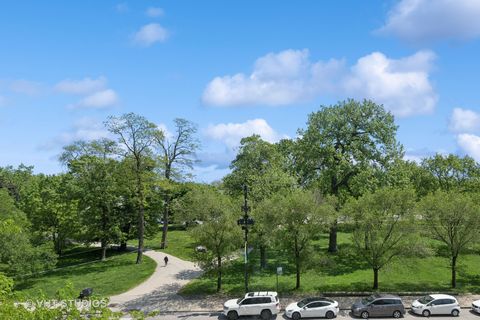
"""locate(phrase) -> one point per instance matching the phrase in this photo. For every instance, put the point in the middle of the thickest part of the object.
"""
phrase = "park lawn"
(179, 244)
(117, 274)
(345, 272)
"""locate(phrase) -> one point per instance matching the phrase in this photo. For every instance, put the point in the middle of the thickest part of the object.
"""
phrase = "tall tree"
(452, 218)
(95, 173)
(261, 166)
(299, 216)
(340, 142)
(218, 233)
(136, 134)
(384, 227)
(177, 156)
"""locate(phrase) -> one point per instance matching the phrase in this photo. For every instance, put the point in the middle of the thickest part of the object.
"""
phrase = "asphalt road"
(465, 314)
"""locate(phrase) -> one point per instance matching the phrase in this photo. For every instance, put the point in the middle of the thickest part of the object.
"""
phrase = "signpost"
(245, 222)
(279, 272)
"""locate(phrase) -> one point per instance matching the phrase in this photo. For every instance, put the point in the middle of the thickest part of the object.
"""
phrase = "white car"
(435, 304)
(312, 308)
(264, 304)
(476, 306)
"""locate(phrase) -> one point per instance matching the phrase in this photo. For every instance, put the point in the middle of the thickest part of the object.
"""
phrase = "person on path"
(166, 260)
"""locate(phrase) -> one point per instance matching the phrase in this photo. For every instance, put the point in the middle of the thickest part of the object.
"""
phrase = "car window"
(425, 300)
(379, 302)
(247, 302)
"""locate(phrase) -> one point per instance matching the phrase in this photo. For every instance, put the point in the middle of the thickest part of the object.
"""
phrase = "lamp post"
(245, 222)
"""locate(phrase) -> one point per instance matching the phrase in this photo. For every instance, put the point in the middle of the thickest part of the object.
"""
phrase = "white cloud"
(83, 86)
(167, 133)
(470, 143)
(26, 87)
(149, 34)
(464, 121)
(232, 133)
(101, 99)
(401, 85)
(121, 7)
(208, 174)
(277, 79)
(289, 77)
(84, 128)
(430, 20)
(154, 12)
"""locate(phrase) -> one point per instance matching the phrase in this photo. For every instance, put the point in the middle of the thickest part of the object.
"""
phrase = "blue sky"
(234, 68)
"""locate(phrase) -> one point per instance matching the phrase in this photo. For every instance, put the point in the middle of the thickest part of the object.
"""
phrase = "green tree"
(218, 232)
(451, 172)
(177, 154)
(261, 166)
(298, 218)
(19, 254)
(342, 141)
(384, 226)
(136, 134)
(452, 218)
(98, 193)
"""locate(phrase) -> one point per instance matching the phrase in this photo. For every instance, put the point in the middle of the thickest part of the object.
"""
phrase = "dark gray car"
(379, 305)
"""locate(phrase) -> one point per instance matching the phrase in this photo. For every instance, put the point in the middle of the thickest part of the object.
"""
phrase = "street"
(344, 314)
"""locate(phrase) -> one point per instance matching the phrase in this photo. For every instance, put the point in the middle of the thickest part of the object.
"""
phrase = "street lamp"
(245, 222)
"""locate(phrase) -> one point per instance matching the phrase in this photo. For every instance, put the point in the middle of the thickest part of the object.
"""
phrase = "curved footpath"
(159, 292)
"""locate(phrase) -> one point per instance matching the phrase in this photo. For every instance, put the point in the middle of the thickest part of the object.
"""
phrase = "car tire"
(397, 314)
(364, 315)
(426, 313)
(330, 315)
(266, 314)
(455, 313)
(232, 315)
(296, 316)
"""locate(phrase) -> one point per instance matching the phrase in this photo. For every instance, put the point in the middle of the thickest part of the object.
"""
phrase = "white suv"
(264, 304)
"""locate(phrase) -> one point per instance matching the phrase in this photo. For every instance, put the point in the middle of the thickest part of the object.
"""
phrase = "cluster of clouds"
(288, 77)
(465, 124)
(94, 92)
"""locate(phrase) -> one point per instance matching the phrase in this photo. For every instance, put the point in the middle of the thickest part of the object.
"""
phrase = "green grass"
(117, 274)
(346, 272)
(180, 244)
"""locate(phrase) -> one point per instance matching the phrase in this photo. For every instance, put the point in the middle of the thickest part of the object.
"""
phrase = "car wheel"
(330, 315)
(365, 315)
(232, 315)
(426, 313)
(455, 313)
(296, 316)
(397, 314)
(266, 314)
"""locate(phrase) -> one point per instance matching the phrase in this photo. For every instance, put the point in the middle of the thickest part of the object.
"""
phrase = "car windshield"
(425, 300)
(368, 300)
(303, 302)
(239, 300)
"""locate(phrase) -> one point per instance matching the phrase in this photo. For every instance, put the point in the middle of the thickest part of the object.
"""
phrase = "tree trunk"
(332, 243)
(141, 215)
(263, 257)
(166, 212)
(297, 264)
(104, 249)
(375, 278)
(219, 278)
(454, 271)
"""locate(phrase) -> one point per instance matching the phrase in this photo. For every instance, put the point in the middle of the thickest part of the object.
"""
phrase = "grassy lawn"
(180, 244)
(346, 271)
(117, 274)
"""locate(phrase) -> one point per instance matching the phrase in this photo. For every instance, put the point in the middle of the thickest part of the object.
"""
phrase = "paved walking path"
(159, 292)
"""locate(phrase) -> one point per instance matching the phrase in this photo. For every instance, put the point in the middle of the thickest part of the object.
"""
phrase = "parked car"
(312, 308)
(476, 306)
(435, 304)
(379, 305)
(264, 304)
